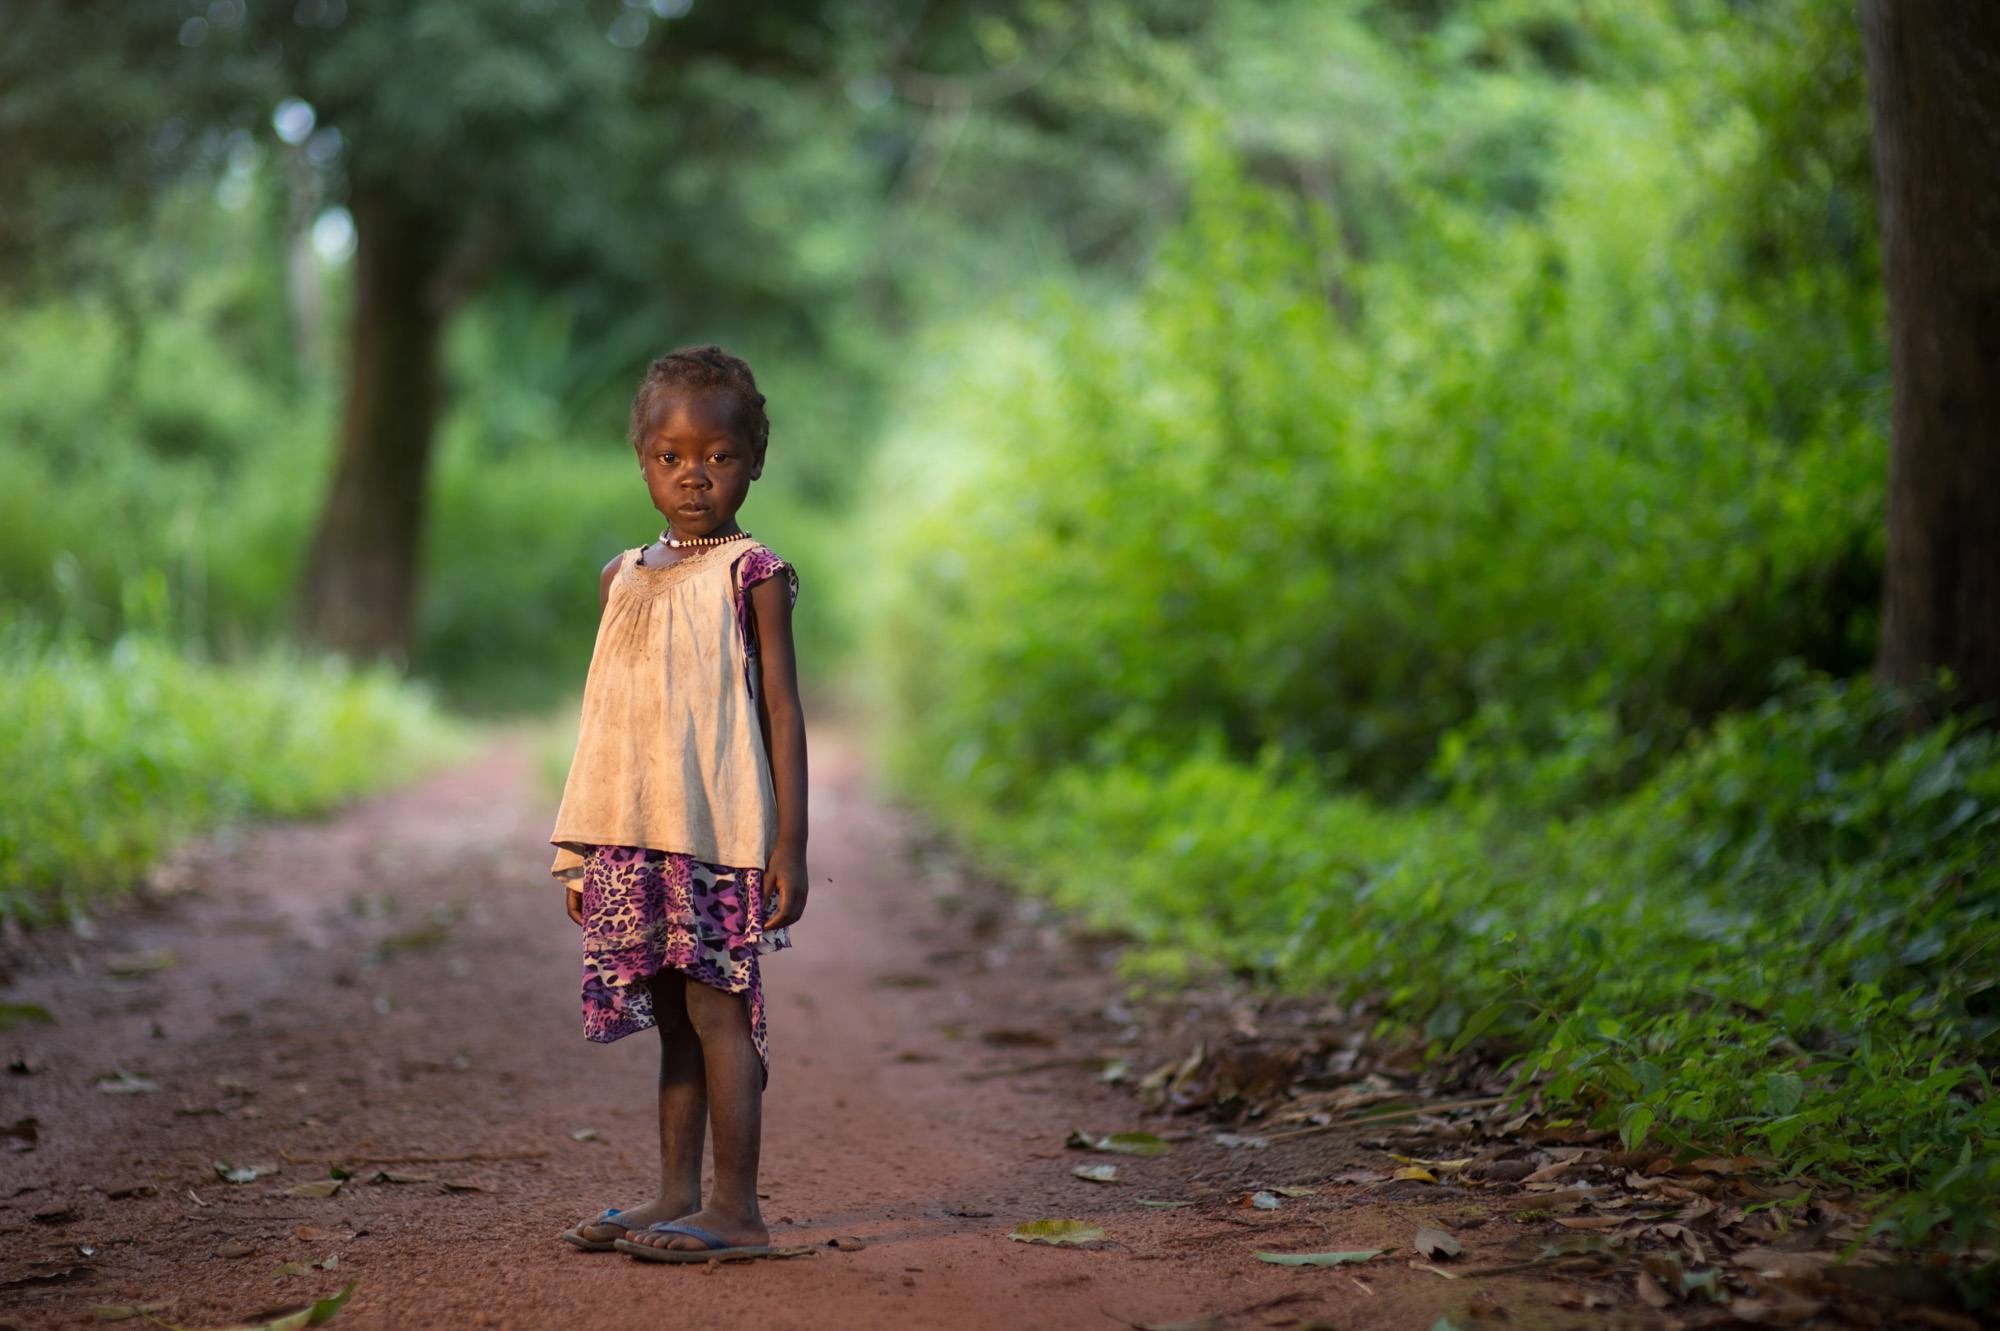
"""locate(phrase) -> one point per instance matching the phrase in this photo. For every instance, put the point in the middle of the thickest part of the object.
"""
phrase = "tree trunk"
(1934, 87)
(358, 592)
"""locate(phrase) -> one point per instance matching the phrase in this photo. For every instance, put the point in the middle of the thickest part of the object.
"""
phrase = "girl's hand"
(784, 888)
(574, 905)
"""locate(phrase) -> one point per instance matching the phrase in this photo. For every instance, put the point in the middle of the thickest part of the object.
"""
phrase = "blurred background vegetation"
(1383, 497)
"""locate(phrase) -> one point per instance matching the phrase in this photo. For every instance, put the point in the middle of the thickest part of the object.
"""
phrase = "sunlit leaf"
(1056, 1231)
(1119, 1143)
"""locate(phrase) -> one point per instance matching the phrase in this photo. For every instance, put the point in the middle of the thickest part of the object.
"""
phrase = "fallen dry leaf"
(139, 963)
(319, 1187)
(1436, 1243)
(1778, 1262)
(317, 1234)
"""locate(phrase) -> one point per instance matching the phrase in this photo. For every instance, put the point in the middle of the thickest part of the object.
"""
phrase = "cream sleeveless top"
(670, 752)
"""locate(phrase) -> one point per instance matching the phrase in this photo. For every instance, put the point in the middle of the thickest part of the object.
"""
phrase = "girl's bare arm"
(573, 897)
(784, 723)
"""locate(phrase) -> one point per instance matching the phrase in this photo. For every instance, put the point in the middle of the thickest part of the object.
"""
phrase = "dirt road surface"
(394, 989)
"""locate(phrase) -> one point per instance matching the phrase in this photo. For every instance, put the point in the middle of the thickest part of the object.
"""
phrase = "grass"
(111, 758)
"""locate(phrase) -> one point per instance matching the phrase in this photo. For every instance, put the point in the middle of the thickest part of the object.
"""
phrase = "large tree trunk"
(358, 593)
(1934, 86)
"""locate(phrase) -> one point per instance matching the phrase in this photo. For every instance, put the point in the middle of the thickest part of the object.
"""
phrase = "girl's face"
(698, 469)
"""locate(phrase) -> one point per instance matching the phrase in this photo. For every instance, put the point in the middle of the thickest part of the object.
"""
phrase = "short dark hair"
(702, 369)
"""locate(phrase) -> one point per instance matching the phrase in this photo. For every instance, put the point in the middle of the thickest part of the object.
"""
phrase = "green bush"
(110, 758)
(1779, 944)
(1458, 601)
(1609, 456)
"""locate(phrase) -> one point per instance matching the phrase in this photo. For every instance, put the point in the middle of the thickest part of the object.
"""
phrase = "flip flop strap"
(692, 1231)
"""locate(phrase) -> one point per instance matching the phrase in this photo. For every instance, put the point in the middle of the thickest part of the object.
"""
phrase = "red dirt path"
(884, 1119)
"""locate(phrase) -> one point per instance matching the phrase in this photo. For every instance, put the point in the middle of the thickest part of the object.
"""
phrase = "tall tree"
(464, 124)
(631, 157)
(1934, 86)
(461, 134)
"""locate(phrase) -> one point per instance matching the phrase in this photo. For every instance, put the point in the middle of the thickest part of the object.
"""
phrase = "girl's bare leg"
(735, 1097)
(683, 1096)
(683, 1112)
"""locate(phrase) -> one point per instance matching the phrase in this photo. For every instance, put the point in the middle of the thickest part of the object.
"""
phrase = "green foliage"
(110, 758)
(154, 477)
(1448, 587)
(1224, 507)
(1778, 944)
(148, 454)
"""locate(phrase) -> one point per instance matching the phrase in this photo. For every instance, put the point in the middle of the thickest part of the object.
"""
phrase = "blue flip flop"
(715, 1247)
(575, 1235)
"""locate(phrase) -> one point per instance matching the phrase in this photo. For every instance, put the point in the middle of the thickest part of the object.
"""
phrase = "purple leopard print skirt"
(645, 909)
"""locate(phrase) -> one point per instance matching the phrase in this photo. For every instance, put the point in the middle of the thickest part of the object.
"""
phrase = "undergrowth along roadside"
(109, 758)
(1782, 944)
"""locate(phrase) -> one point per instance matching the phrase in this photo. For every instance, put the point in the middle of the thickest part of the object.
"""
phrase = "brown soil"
(395, 987)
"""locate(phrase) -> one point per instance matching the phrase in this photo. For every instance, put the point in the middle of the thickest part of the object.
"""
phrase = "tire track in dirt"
(397, 982)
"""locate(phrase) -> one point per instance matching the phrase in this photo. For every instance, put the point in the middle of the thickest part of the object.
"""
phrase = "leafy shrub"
(1457, 599)
(1779, 944)
(110, 758)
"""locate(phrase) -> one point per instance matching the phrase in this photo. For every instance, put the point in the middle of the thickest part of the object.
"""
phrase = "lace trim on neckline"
(654, 576)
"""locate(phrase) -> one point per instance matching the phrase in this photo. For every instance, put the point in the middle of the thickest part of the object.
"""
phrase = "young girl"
(681, 837)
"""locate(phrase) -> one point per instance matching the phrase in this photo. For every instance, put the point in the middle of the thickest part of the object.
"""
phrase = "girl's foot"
(637, 1218)
(739, 1232)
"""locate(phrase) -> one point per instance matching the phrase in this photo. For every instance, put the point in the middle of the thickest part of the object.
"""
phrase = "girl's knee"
(717, 1011)
(669, 988)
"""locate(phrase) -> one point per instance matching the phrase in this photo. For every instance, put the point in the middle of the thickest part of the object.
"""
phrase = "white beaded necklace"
(678, 543)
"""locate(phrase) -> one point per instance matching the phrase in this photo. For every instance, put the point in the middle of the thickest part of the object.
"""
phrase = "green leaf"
(1320, 1258)
(1478, 1023)
(1056, 1232)
(1633, 1123)
(1119, 1143)
(20, 1014)
(1784, 1092)
(1133, 1143)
